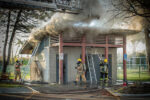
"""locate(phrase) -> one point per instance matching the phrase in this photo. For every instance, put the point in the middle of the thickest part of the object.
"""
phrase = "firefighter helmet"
(79, 60)
(16, 59)
(105, 60)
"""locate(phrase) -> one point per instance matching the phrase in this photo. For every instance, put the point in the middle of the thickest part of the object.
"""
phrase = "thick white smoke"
(96, 18)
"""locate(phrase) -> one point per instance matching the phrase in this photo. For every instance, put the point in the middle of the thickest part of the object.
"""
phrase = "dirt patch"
(133, 89)
(105, 92)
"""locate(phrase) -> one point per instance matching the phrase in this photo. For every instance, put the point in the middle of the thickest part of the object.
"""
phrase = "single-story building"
(54, 56)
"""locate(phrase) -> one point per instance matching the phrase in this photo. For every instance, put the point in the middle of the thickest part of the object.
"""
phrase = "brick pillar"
(61, 57)
(124, 62)
(83, 49)
(106, 48)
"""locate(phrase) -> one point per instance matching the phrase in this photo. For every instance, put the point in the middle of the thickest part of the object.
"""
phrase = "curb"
(121, 94)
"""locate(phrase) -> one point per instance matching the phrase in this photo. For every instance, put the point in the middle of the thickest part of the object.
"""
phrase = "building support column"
(61, 57)
(106, 48)
(83, 49)
(124, 62)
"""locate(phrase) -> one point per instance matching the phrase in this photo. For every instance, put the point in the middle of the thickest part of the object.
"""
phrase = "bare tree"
(12, 38)
(18, 22)
(131, 8)
(5, 42)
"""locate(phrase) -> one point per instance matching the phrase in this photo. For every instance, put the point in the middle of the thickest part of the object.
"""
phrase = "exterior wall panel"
(53, 52)
(73, 53)
(40, 63)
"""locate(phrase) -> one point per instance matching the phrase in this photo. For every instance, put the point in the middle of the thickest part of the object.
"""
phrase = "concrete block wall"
(53, 52)
(73, 53)
(41, 62)
(114, 64)
(46, 57)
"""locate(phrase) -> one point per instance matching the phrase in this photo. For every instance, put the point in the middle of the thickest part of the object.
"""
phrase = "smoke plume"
(94, 19)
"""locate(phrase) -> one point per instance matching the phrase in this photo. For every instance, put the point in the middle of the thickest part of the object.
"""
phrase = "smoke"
(94, 19)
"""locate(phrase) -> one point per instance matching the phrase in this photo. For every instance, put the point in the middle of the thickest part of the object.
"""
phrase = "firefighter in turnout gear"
(80, 71)
(17, 69)
(104, 69)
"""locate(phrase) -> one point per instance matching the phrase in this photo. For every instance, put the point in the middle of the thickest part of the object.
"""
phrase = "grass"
(8, 85)
(133, 75)
(12, 76)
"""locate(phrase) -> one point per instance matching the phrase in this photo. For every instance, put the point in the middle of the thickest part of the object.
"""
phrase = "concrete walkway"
(47, 88)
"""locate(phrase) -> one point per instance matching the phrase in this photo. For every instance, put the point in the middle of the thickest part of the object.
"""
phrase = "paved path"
(51, 93)
(84, 96)
(97, 95)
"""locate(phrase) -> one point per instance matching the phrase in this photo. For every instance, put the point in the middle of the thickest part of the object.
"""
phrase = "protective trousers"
(17, 73)
(82, 75)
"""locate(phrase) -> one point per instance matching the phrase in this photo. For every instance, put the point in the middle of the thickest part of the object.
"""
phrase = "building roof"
(38, 35)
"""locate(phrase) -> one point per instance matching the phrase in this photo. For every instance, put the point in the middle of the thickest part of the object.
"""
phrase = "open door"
(93, 59)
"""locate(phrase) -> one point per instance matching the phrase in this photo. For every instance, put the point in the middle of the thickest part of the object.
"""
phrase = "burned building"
(55, 56)
(56, 47)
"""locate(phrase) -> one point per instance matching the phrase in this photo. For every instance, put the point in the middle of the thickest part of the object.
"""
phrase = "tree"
(18, 22)
(5, 42)
(131, 8)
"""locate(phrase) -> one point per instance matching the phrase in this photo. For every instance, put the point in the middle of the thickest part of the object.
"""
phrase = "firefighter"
(17, 70)
(80, 71)
(104, 69)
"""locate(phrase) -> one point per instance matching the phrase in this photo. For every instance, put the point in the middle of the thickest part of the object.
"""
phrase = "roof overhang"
(27, 48)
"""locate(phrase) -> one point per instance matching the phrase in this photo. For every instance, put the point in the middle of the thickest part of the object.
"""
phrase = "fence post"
(139, 72)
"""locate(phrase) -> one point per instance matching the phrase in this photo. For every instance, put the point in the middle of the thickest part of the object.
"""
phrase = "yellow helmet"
(79, 60)
(105, 60)
(16, 59)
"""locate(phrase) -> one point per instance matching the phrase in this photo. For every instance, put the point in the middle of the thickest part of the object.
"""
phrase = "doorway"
(65, 69)
(93, 59)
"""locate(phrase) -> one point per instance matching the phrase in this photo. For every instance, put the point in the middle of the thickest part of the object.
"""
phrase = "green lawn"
(10, 85)
(133, 75)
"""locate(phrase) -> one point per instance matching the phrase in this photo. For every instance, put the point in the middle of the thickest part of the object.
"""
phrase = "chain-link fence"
(25, 71)
(137, 69)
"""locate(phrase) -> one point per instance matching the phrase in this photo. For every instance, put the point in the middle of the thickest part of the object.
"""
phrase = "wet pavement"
(63, 88)
(41, 96)
(84, 96)
(60, 92)
(15, 90)
(54, 92)
(100, 94)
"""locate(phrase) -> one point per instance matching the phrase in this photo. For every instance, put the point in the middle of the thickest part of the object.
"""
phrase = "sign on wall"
(61, 56)
(125, 57)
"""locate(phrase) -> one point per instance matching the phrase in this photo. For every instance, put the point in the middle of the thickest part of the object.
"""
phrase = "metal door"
(65, 69)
